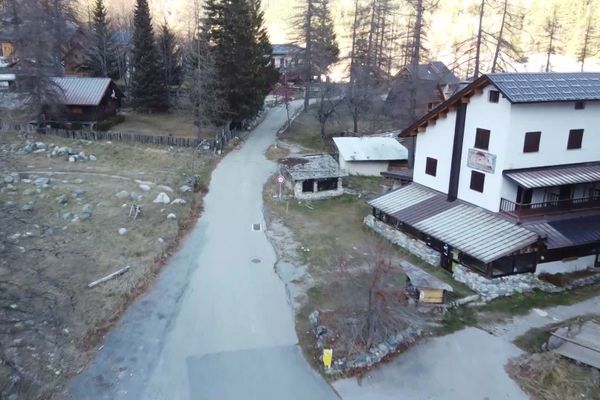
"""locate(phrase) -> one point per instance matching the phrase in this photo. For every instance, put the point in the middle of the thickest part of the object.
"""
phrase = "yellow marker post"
(327, 357)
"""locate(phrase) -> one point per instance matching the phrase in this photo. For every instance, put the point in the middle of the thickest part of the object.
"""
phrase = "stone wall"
(299, 194)
(489, 289)
(410, 244)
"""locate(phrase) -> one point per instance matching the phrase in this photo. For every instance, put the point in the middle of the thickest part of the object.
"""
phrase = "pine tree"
(242, 55)
(102, 59)
(147, 85)
(170, 58)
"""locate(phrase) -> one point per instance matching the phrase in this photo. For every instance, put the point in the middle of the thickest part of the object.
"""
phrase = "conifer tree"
(147, 85)
(102, 59)
(169, 53)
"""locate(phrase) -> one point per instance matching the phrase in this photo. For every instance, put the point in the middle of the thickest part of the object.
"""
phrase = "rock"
(178, 201)
(41, 182)
(9, 179)
(92, 157)
(67, 216)
(87, 208)
(313, 318)
(82, 156)
(27, 207)
(14, 237)
(38, 151)
(162, 198)
(166, 188)
(185, 189)
(171, 216)
(122, 231)
(84, 215)
(49, 232)
(71, 159)
(10, 186)
(145, 187)
(135, 196)
(78, 181)
(78, 192)
(122, 194)
(28, 192)
(161, 240)
(62, 199)
(41, 145)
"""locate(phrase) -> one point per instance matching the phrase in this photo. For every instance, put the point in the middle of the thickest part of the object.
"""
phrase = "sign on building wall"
(481, 160)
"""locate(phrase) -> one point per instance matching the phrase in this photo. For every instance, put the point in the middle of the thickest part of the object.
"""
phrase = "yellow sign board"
(327, 357)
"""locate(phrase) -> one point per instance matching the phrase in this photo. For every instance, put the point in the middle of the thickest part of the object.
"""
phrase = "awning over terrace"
(558, 175)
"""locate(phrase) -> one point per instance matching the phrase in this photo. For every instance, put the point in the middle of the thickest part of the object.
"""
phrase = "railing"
(522, 210)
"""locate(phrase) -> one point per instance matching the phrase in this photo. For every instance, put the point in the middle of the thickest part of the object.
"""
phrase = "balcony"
(520, 211)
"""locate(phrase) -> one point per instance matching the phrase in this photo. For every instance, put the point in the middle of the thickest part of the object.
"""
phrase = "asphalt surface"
(217, 324)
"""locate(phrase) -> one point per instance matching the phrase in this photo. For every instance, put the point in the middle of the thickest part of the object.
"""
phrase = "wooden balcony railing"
(520, 210)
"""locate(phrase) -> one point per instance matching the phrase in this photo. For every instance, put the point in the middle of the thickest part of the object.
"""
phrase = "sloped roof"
(568, 232)
(311, 166)
(556, 175)
(471, 229)
(83, 91)
(370, 148)
(518, 88)
(548, 86)
(284, 49)
(435, 70)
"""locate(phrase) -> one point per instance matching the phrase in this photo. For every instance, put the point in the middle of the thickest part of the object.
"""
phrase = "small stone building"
(312, 176)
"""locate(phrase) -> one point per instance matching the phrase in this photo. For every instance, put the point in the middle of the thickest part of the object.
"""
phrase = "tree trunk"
(479, 37)
(500, 37)
(307, 55)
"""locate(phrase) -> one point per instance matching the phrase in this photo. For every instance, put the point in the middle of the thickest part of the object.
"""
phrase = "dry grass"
(57, 319)
(176, 123)
(275, 152)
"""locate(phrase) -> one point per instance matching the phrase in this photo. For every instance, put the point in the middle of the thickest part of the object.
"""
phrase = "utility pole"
(307, 55)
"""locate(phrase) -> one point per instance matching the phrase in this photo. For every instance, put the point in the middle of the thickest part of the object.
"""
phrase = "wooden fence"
(216, 144)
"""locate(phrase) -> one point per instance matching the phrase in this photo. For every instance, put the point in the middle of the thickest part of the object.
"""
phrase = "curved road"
(217, 324)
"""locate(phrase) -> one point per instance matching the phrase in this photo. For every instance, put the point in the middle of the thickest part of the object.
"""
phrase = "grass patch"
(172, 123)
(369, 186)
(275, 152)
(520, 304)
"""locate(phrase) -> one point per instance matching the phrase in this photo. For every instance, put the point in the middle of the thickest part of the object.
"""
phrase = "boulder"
(171, 216)
(162, 198)
(62, 199)
(28, 192)
(145, 187)
(92, 157)
(41, 182)
(313, 318)
(78, 192)
(135, 196)
(185, 188)
(87, 208)
(67, 216)
(71, 159)
(178, 201)
(84, 215)
(27, 207)
(9, 179)
(123, 194)
(166, 188)
(122, 231)
(10, 186)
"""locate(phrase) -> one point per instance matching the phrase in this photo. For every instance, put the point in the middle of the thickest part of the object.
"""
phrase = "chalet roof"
(436, 71)
(542, 87)
(555, 175)
(286, 49)
(471, 229)
(577, 231)
(311, 166)
(547, 87)
(370, 148)
(84, 91)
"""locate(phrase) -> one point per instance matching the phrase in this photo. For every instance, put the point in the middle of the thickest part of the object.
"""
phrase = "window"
(76, 110)
(281, 62)
(482, 139)
(575, 139)
(431, 166)
(494, 96)
(579, 105)
(532, 142)
(477, 181)
(308, 186)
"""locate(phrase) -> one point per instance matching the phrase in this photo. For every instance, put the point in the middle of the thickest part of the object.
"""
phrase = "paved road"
(217, 324)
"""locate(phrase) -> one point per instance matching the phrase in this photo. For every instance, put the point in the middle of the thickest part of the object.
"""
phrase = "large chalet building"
(507, 176)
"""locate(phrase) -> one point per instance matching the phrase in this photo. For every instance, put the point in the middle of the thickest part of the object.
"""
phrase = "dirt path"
(217, 324)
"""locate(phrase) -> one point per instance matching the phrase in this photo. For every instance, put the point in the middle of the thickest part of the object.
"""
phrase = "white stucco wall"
(364, 168)
(556, 267)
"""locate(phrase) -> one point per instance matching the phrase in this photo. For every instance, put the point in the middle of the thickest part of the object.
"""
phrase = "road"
(217, 323)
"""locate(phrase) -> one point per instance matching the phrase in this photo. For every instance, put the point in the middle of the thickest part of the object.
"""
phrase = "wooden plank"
(109, 277)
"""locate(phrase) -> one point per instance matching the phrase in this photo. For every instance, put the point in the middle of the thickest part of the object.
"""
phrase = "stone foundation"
(316, 195)
(411, 245)
(490, 289)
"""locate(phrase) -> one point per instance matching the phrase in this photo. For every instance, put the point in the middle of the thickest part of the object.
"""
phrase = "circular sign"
(280, 179)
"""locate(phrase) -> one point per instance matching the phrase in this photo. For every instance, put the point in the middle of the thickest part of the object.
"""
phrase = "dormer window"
(580, 105)
(494, 96)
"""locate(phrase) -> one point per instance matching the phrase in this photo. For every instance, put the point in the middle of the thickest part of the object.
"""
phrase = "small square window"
(575, 139)
(532, 142)
(494, 96)
(579, 105)
(482, 139)
(477, 181)
(431, 166)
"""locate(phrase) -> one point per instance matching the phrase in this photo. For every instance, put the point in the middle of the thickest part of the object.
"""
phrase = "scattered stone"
(82, 156)
(41, 145)
(78, 181)
(71, 159)
(49, 232)
(135, 196)
(9, 179)
(28, 192)
(87, 208)
(41, 182)
(171, 216)
(84, 215)
(178, 201)
(62, 199)
(122, 231)
(92, 157)
(161, 240)
(185, 189)
(122, 194)
(10, 186)
(166, 188)
(38, 151)
(67, 216)
(162, 198)
(144, 187)
(27, 207)
(313, 318)
(78, 192)
(14, 237)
